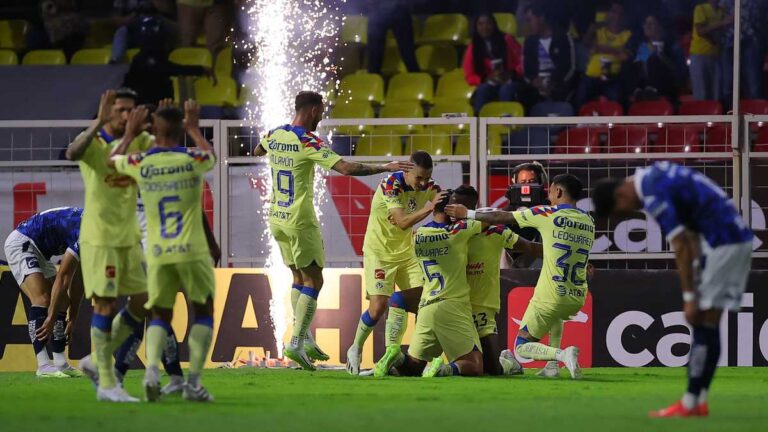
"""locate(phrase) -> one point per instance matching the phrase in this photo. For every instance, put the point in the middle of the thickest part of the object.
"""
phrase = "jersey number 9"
(167, 216)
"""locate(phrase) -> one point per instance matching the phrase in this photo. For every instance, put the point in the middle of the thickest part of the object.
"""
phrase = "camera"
(526, 195)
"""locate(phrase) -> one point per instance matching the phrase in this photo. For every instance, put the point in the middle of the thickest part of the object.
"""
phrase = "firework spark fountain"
(293, 42)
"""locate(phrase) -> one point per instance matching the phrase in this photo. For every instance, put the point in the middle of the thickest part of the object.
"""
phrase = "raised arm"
(60, 295)
(192, 125)
(133, 128)
(403, 220)
(360, 169)
(78, 147)
(496, 217)
(529, 248)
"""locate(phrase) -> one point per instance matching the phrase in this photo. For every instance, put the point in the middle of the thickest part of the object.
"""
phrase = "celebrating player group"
(427, 251)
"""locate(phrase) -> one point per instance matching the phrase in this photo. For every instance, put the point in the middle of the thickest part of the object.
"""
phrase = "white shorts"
(24, 258)
(723, 278)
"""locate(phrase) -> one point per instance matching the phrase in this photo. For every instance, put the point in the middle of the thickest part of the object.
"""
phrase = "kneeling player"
(445, 314)
(29, 249)
(170, 178)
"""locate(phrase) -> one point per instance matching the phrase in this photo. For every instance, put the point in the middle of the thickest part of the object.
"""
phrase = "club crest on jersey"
(379, 274)
(110, 272)
(379, 285)
(411, 205)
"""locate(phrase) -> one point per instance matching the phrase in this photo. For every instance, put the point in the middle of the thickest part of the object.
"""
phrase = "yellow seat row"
(434, 142)
(411, 86)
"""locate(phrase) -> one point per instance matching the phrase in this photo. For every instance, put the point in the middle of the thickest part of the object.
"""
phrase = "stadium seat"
(677, 139)
(436, 59)
(100, 33)
(13, 35)
(507, 23)
(700, 107)
(392, 63)
(433, 141)
(717, 138)
(44, 58)
(191, 56)
(494, 145)
(451, 106)
(354, 29)
(418, 27)
(603, 108)
(761, 141)
(224, 93)
(552, 109)
(347, 58)
(578, 140)
(351, 110)
(651, 108)
(452, 85)
(754, 106)
(379, 145)
(628, 139)
(8, 58)
(91, 56)
(410, 86)
(362, 87)
(445, 28)
(224, 62)
(502, 109)
(130, 54)
(401, 109)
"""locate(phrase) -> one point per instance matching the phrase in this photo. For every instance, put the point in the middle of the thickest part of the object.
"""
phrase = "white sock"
(59, 359)
(703, 396)
(689, 400)
(42, 358)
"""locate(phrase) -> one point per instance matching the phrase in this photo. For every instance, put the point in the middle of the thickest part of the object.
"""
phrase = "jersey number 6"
(167, 216)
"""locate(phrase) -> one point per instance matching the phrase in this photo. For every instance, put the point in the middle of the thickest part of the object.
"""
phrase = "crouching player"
(568, 234)
(170, 179)
(29, 249)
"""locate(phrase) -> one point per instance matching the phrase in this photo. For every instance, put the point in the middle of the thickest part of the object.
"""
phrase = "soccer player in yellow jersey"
(171, 179)
(400, 201)
(112, 261)
(293, 153)
(568, 234)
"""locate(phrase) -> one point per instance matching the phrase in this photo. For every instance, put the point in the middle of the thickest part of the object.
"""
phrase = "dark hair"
(604, 196)
(570, 183)
(470, 193)
(126, 93)
(536, 168)
(174, 116)
(422, 159)
(440, 206)
(308, 99)
(498, 46)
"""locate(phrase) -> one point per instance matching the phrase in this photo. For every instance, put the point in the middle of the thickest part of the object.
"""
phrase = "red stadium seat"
(754, 106)
(578, 141)
(677, 139)
(601, 108)
(651, 108)
(717, 138)
(701, 107)
(629, 139)
(761, 142)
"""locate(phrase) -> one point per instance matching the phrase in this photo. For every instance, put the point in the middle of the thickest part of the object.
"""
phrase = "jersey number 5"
(167, 216)
(433, 276)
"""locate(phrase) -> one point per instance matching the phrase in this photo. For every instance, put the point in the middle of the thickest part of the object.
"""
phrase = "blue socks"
(705, 352)
(126, 354)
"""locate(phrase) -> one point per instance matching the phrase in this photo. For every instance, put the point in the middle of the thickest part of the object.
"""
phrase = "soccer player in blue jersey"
(29, 249)
(713, 251)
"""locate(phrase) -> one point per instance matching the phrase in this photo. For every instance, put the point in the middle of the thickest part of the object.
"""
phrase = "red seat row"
(649, 138)
(663, 107)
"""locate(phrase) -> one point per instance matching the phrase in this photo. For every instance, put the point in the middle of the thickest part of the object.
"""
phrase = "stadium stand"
(13, 34)
(578, 140)
(379, 145)
(362, 86)
(452, 85)
(445, 28)
(433, 141)
(8, 58)
(412, 86)
(604, 108)
(507, 23)
(91, 56)
(191, 56)
(44, 58)
(354, 29)
(436, 59)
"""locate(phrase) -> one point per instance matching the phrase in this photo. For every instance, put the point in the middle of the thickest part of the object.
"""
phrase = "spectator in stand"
(549, 60)
(212, 16)
(493, 63)
(65, 27)
(659, 66)
(608, 43)
(127, 17)
(709, 21)
(392, 15)
(752, 50)
(151, 71)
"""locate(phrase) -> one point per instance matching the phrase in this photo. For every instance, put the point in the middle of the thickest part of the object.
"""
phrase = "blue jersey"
(680, 198)
(54, 231)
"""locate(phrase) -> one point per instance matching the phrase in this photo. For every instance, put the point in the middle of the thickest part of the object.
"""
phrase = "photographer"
(528, 189)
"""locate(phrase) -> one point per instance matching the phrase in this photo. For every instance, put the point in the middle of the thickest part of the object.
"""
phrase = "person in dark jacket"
(549, 60)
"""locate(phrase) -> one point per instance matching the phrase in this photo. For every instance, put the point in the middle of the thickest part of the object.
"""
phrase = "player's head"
(125, 102)
(615, 197)
(466, 196)
(309, 108)
(421, 174)
(529, 173)
(438, 213)
(168, 126)
(564, 189)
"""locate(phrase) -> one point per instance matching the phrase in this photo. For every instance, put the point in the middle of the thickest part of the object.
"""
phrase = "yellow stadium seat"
(379, 145)
(452, 85)
(447, 28)
(224, 93)
(8, 58)
(130, 54)
(347, 59)
(445, 106)
(44, 58)
(13, 34)
(354, 109)
(410, 86)
(507, 23)
(224, 62)
(494, 145)
(434, 142)
(91, 56)
(437, 59)
(392, 63)
(201, 40)
(502, 109)
(362, 86)
(354, 29)
(191, 57)
(402, 110)
(100, 33)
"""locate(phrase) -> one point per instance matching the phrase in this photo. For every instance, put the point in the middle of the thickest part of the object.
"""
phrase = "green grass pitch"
(606, 399)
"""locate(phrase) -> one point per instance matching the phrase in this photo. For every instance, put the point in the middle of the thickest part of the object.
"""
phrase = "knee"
(104, 306)
(398, 300)
(377, 307)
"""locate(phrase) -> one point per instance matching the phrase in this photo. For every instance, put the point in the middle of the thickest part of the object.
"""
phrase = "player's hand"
(215, 253)
(164, 103)
(105, 106)
(691, 310)
(191, 115)
(393, 166)
(590, 271)
(456, 211)
(46, 330)
(137, 120)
